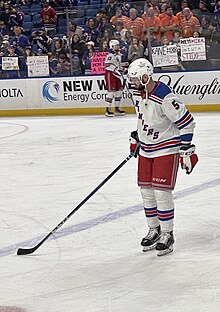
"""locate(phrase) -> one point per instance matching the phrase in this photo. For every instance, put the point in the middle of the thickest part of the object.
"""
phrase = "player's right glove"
(134, 143)
(188, 158)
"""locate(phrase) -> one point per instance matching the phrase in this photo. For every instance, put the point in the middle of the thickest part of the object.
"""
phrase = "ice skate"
(119, 112)
(165, 244)
(109, 113)
(150, 240)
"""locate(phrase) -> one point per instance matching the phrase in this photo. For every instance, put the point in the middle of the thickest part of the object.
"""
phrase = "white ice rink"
(94, 263)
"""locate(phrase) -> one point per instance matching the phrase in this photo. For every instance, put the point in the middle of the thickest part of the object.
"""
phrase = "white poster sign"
(193, 49)
(10, 63)
(164, 55)
(38, 66)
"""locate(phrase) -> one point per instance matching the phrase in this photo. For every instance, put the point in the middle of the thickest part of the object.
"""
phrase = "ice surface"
(94, 263)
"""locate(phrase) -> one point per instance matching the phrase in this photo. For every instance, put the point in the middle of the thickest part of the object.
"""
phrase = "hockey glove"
(188, 158)
(134, 144)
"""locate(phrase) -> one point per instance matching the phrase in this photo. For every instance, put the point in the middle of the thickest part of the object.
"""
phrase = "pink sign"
(98, 62)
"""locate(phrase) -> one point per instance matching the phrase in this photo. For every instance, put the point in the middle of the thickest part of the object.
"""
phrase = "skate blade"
(165, 251)
(120, 114)
(148, 248)
(113, 115)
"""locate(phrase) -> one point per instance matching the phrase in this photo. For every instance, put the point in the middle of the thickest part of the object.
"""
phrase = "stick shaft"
(31, 250)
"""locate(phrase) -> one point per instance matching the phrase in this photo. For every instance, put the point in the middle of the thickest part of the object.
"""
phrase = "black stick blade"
(25, 251)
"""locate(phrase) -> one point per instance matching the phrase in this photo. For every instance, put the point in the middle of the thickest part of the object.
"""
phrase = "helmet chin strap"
(143, 86)
(146, 83)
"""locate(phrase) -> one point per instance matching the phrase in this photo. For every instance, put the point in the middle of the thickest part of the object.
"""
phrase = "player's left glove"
(134, 144)
(188, 158)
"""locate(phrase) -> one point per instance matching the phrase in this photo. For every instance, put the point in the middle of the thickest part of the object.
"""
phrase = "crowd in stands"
(70, 31)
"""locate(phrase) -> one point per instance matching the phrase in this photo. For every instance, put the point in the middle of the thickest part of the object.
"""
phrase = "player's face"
(145, 78)
(116, 47)
(136, 81)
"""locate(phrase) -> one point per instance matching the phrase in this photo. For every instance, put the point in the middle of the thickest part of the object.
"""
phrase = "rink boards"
(86, 94)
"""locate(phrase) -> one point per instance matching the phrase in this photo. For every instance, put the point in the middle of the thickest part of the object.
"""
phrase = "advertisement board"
(193, 88)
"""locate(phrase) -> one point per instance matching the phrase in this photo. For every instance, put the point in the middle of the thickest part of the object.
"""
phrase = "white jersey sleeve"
(176, 111)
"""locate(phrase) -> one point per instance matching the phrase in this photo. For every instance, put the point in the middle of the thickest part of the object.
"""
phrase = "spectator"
(63, 65)
(14, 18)
(154, 23)
(24, 67)
(13, 73)
(78, 46)
(118, 17)
(209, 33)
(75, 29)
(205, 22)
(91, 33)
(20, 40)
(128, 37)
(119, 27)
(76, 66)
(202, 10)
(123, 49)
(172, 4)
(5, 13)
(196, 34)
(4, 45)
(165, 41)
(41, 40)
(135, 24)
(169, 23)
(153, 5)
(48, 17)
(135, 50)
(107, 25)
(104, 46)
(189, 23)
(19, 12)
(3, 29)
(179, 15)
(2, 73)
(107, 35)
(39, 52)
(53, 60)
(163, 11)
(98, 20)
(58, 48)
(125, 6)
(87, 56)
(176, 38)
(110, 8)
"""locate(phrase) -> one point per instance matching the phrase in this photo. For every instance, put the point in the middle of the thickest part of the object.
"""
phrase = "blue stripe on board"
(5, 251)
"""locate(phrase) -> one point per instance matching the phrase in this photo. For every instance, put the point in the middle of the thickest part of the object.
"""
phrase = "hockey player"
(163, 137)
(113, 75)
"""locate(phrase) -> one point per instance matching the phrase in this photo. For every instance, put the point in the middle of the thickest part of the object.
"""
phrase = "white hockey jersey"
(113, 61)
(164, 123)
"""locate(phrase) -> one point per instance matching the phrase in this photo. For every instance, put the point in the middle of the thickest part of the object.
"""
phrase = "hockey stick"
(27, 251)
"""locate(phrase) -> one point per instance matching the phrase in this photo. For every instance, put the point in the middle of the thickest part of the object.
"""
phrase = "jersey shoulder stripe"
(160, 91)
